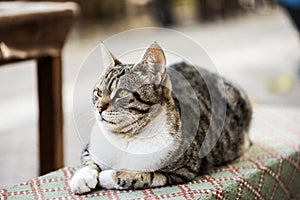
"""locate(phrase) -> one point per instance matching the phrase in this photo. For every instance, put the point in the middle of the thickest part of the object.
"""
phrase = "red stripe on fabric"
(37, 185)
(276, 182)
(293, 176)
(149, 194)
(68, 174)
(3, 194)
(218, 185)
(274, 154)
(274, 175)
(31, 184)
(186, 192)
(243, 183)
(112, 194)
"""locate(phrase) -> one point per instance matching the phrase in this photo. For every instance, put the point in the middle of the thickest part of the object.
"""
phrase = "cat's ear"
(155, 61)
(107, 57)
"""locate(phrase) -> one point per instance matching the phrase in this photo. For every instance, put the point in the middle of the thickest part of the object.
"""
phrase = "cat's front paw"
(107, 179)
(84, 180)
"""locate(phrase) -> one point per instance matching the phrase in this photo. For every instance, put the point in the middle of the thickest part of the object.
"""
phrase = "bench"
(269, 170)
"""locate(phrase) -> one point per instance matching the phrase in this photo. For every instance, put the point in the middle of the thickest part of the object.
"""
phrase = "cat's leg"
(122, 180)
(86, 178)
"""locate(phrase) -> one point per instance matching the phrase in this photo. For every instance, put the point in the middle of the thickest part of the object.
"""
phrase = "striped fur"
(128, 99)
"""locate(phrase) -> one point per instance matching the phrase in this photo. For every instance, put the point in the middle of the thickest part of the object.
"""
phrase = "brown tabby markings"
(143, 90)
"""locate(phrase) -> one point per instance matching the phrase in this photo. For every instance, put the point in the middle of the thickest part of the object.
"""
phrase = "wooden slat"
(51, 115)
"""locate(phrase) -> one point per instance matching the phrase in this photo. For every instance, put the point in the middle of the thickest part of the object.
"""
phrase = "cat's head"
(128, 96)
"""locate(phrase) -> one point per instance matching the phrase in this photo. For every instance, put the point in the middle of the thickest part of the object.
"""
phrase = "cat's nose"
(101, 107)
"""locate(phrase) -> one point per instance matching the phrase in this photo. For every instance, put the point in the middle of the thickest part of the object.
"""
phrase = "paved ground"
(257, 51)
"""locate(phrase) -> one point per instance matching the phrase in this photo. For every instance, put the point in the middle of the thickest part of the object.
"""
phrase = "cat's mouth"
(107, 118)
(110, 122)
(101, 118)
(118, 123)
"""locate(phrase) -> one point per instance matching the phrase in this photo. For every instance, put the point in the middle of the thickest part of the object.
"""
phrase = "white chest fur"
(146, 151)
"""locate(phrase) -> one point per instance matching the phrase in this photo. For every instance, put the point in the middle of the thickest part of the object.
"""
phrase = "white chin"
(106, 125)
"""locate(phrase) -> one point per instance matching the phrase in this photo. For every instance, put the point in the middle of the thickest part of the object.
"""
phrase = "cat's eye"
(98, 93)
(122, 93)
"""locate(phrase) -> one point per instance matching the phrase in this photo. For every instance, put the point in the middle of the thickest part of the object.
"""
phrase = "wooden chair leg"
(49, 71)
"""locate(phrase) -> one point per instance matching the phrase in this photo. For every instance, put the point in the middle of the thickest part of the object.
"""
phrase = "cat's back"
(221, 104)
(211, 90)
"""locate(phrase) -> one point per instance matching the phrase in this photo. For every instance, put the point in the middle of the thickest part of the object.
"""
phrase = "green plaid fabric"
(270, 170)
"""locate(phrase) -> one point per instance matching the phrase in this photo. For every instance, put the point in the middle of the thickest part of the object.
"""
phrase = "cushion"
(269, 170)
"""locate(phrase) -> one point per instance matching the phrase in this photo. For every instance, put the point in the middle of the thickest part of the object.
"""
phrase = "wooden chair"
(36, 30)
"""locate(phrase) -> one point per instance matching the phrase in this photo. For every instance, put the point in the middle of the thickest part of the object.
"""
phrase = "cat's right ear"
(154, 61)
(107, 57)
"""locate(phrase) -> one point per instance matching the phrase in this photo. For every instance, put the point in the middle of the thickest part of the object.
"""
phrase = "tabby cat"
(138, 110)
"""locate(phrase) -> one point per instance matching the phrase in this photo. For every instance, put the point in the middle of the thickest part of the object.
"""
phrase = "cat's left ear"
(155, 61)
(107, 57)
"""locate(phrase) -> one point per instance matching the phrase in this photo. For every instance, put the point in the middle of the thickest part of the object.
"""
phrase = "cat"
(137, 105)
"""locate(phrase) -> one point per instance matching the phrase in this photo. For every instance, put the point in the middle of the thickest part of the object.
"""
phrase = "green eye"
(123, 93)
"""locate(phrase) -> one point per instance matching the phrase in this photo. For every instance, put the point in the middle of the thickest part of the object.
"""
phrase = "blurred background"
(255, 43)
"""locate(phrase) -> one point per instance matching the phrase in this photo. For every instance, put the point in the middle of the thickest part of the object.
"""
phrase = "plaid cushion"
(270, 170)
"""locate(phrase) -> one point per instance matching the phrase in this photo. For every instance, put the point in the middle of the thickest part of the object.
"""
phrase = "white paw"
(106, 179)
(84, 180)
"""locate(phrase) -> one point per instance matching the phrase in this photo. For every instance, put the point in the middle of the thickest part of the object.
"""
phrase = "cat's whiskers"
(118, 118)
(88, 116)
(97, 115)
(91, 119)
